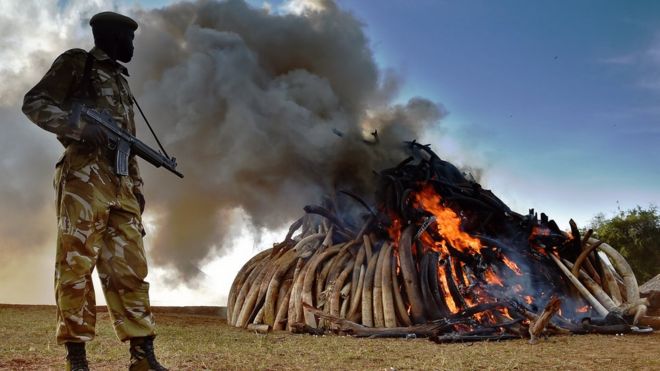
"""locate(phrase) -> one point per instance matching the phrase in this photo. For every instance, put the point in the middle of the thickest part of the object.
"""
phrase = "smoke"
(265, 112)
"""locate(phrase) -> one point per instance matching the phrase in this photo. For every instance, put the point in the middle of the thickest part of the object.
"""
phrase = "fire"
(505, 312)
(539, 231)
(395, 230)
(447, 221)
(492, 278)
(449, 300)
(513, 266)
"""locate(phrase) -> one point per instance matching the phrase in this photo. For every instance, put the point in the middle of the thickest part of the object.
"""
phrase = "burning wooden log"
(436, 256)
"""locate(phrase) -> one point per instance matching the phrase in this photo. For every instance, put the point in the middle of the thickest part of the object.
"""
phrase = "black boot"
(76, 358)
(142, 355)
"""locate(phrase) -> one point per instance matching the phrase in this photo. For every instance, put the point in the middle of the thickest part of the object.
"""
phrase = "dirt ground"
(197, 342)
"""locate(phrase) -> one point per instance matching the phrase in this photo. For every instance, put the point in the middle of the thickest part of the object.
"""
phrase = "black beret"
(113, 18)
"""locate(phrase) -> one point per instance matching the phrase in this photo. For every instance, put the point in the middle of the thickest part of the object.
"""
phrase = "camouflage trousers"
(99, 225)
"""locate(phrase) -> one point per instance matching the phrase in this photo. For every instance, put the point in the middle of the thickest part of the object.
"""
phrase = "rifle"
(121, 141)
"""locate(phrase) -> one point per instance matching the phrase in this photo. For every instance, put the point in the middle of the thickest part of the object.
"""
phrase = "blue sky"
(563, 91)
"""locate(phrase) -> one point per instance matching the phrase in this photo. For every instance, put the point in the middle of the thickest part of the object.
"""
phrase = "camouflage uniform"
(98, 214)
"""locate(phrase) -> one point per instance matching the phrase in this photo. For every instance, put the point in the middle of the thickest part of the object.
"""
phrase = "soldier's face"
(125, 46)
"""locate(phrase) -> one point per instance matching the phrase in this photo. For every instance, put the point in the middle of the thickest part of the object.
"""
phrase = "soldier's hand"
(94, 135)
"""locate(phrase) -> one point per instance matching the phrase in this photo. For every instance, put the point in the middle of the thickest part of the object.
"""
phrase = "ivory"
(310, 275)
(282, 309)
(295, 305)
(379, 319)
(622, 266)
(239, 281)
(400, 306)
(282, 265)
(324, 276)
(250, 281)
(425, 281)
(367, 293)
(389, 316)
(585, 293)
(583, 256)
(353, 313)
(594, 288)
(338, 266)
(285, 289)
(355, 278)
(258, 328)
(367, 246)
(410, 279)
(338, 286)
(290, 306)
(251, 299)
(609, 283)
(258, 318)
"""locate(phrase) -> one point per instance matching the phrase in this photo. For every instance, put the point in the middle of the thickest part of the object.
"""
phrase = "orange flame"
(395, 229)
(448, 222)
(492, 278)
(512, 265)
(505, 312)
(449, 300)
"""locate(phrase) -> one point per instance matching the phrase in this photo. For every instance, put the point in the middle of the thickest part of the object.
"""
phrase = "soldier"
(98, 213)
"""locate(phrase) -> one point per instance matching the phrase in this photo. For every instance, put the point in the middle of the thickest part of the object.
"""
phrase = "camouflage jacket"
(47, 104)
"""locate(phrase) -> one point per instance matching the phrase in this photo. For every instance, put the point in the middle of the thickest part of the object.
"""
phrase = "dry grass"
(197, 342)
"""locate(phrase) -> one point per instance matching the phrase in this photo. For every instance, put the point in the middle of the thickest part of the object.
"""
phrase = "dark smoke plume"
(265, 112)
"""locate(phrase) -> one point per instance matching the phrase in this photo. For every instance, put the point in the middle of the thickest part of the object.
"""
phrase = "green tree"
(636, 234)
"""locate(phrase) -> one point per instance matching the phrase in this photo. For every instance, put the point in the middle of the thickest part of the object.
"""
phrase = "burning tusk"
(594, 288)
(585, 293)
(583, 256)
(401, 311)
(410, 279)
(431, 305)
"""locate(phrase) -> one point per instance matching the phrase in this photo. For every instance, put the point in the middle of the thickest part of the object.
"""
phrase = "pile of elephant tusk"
(434, 255)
